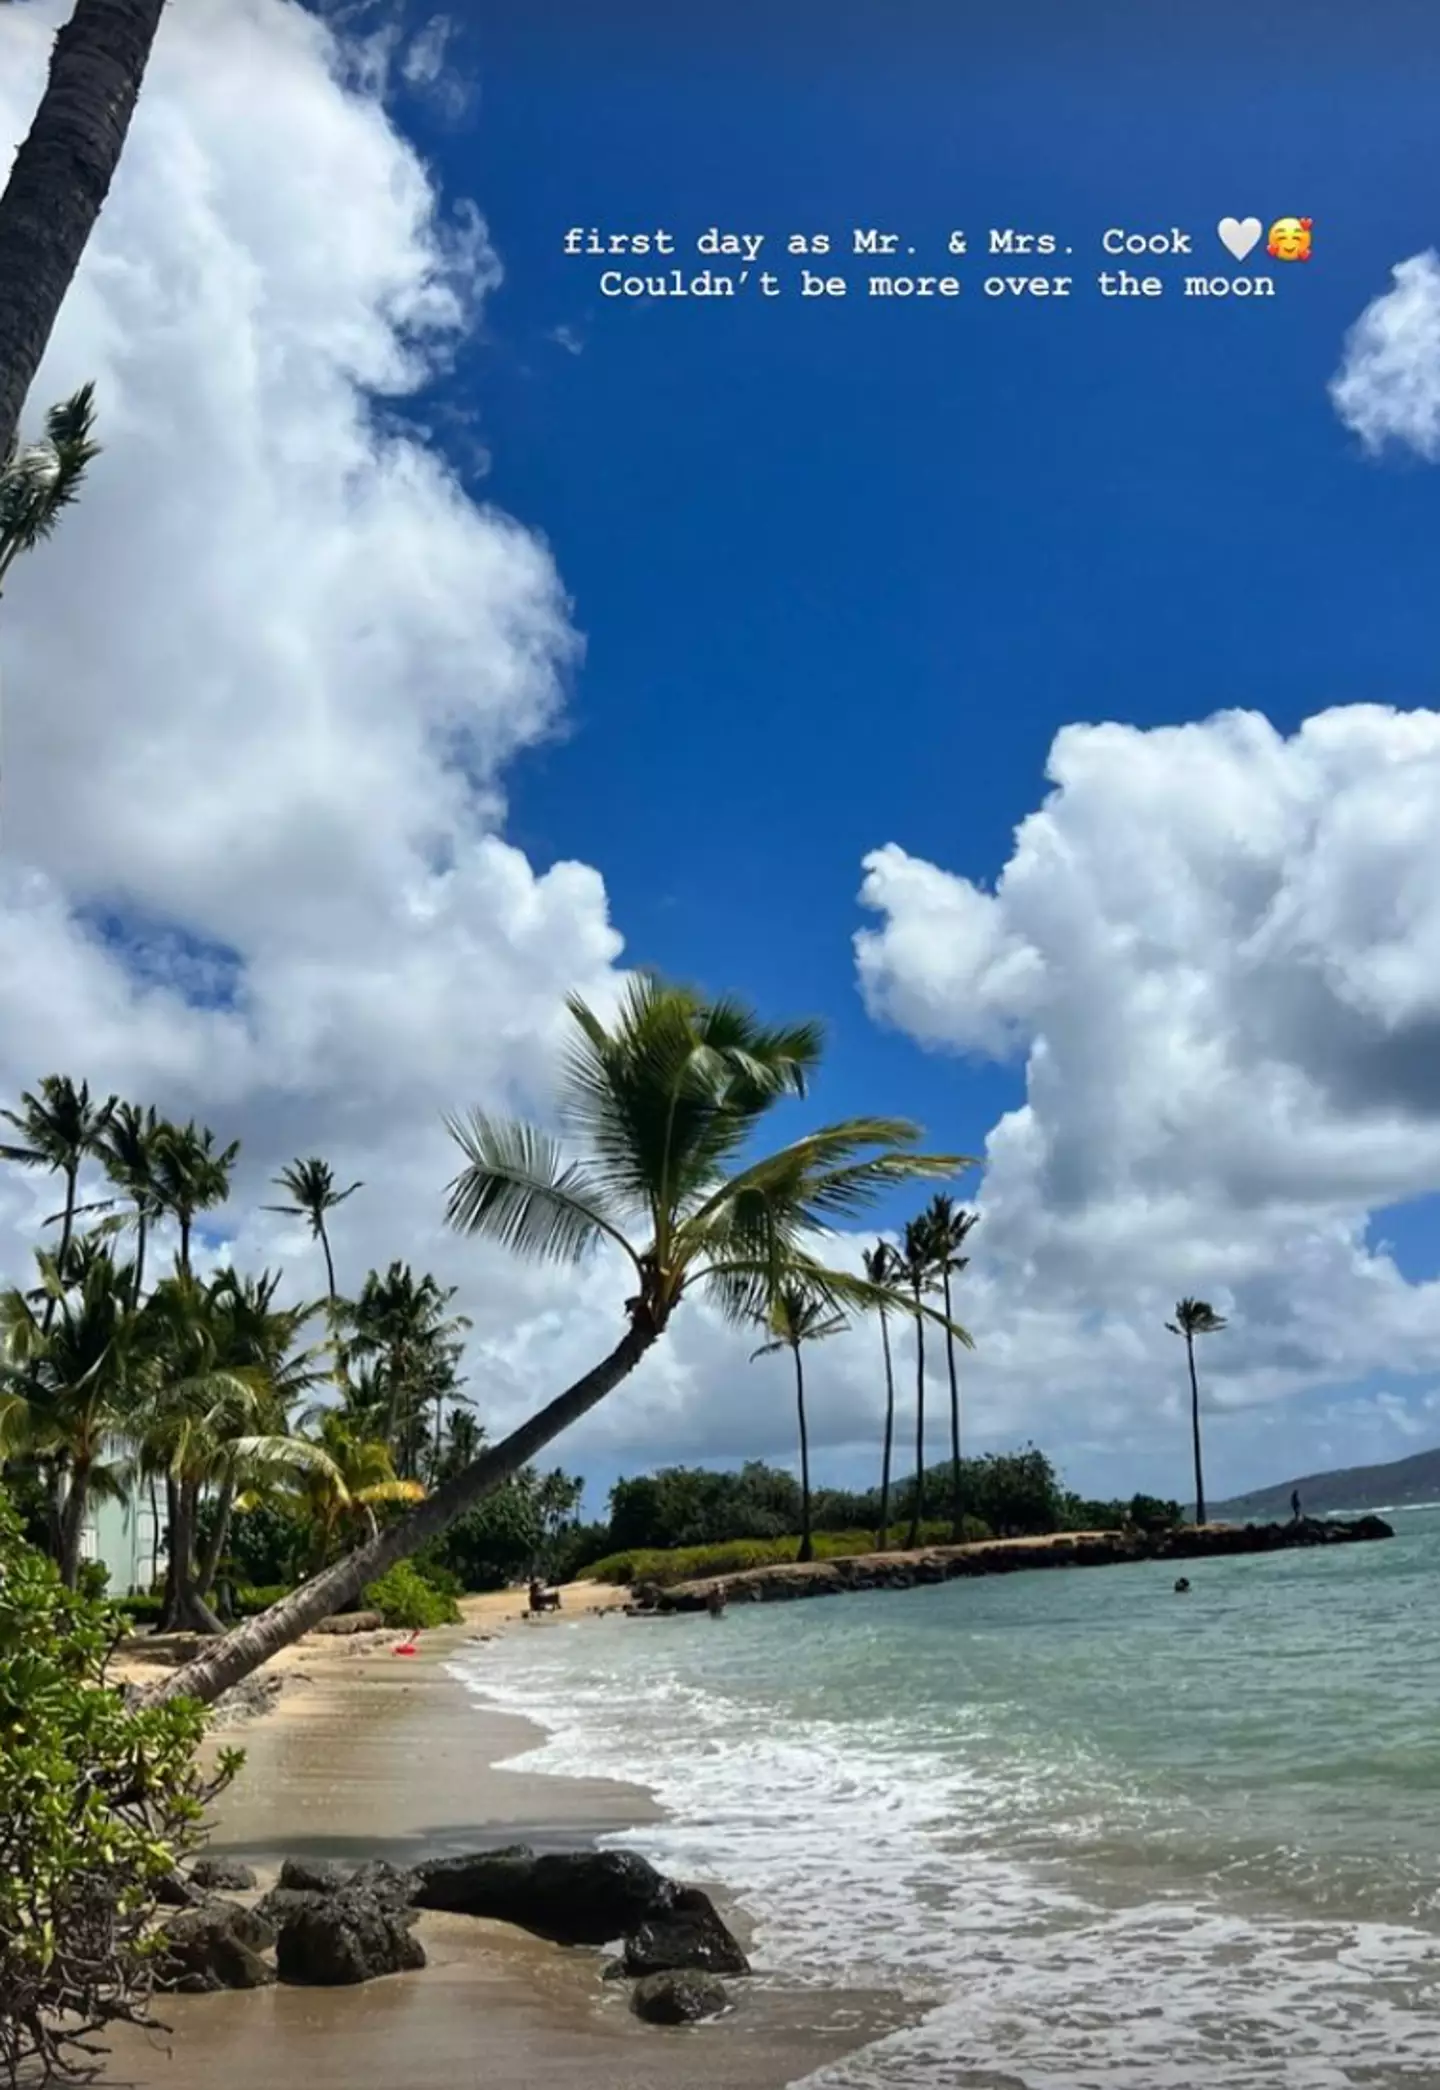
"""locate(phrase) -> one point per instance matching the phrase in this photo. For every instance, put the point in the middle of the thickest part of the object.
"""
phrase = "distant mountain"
(1415, 1479)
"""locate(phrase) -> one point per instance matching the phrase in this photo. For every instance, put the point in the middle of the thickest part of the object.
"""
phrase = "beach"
(367, 1754)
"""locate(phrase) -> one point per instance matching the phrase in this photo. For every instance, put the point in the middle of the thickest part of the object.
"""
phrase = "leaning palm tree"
(60, 1128)
(796, 1317)
(949, 1229)
(664, 1104)
(60, 177)
(1195, 1317)
(310, 1185)
(917, 1271)
(38, 482)
(882, 1268)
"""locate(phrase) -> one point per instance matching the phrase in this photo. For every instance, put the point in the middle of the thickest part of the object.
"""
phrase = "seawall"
(827, 1578)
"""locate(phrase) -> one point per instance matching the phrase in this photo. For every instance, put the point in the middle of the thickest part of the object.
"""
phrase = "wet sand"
(370, 1755)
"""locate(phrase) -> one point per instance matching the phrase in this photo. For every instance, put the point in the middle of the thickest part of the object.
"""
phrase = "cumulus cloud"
(1387, 388)
(1218, 953)
(261, 692)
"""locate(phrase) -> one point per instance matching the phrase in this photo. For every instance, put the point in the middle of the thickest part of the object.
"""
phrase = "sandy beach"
(370, 1755)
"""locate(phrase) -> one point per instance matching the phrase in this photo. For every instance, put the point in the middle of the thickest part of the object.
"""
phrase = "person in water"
(1182, 1587)
(715, 1602)
(1295, 1504)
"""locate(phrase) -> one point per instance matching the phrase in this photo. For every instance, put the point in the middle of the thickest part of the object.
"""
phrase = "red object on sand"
(406, 1647)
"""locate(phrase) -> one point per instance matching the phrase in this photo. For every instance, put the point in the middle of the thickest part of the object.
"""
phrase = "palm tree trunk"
(72, 1522)
(1195, 1429)
(807, 1549)
(140, 1230)
(917, 1507)
(883, 1535)
(254, 1642)
(185, 1225)
(186, 1609)
(219, 1537)
(67, 1228)
(60, 178)
(329, 1259)
(957, 1505)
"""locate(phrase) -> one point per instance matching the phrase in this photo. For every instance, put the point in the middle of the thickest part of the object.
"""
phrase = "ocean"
(1100, 1833)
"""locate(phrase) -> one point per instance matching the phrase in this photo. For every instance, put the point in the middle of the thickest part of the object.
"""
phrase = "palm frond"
(518, 1188)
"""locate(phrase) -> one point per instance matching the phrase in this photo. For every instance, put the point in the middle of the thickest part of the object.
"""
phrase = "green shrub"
(438, 1575)
(141, 1611)
(403, 1597)
(249, 1602)
(693, 1563)
(97, 1802)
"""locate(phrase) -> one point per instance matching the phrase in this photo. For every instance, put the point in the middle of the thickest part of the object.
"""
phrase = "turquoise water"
(1103, 1834)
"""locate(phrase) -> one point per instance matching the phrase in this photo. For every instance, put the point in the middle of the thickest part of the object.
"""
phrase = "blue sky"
(843, 571)
(977, 585)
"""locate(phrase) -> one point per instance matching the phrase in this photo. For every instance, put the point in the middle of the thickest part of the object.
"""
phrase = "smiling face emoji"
(1289, 239)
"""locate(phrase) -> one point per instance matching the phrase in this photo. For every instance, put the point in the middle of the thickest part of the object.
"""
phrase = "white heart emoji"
(1238, 235)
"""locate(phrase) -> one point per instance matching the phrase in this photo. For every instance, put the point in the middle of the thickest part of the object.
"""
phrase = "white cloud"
(1388, 386)
(1218, 951)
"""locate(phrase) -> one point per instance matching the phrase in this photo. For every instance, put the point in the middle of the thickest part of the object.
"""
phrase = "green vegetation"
(732, 1557)
(96, 1803)
(405, 1597)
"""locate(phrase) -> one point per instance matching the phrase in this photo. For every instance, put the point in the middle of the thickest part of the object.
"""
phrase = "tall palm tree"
(69, 1383)
(40, 480)
(60, 1128)
(917, 1271)
(1195, 1317)
(400, 1326)
(129, 1151)
(664, 1103)
(949, 1228)
(796, 1317)
(191, 1176)
(882, 1268)
(60, 177)
(310, 1185)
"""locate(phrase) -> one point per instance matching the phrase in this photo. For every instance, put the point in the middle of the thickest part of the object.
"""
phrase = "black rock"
(203, 1952)
(339, 1939)
(571, 1897)
(251, 1926)
(176, 1892)
(222, 1876)
(687, 1934)
(386, 1883)
(313, 1876)
(678, 1999)
(281, 1903)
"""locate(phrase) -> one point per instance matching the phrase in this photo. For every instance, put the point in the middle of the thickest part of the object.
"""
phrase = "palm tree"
(37, 482)
(69, 1381)
(1195, 1317)
(917, 1270)
(358, 1479)
(191, 1176)
(399, 1326)
(59, 1129)
(129, 1151)
(796, 1317)
(882, 1268)
(60, 177)
(949, 1228)
(665, 1102)
(311, 1188)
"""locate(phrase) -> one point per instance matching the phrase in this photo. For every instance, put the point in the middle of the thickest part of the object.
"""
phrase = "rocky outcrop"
(313, 1876)
(214, 1946)
(571, 1897)
(678, 1999)
(688, 1935)
(221, 1876)
(787, 1581)
(346, 1622)
(336, 1940)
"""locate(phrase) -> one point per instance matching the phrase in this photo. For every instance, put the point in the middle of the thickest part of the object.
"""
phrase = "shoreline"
(366, 1755)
